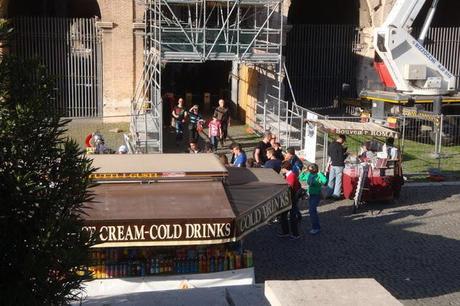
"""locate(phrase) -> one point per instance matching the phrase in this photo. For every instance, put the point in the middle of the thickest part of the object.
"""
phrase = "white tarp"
(311, 132)
(355, 128)
(120, 286)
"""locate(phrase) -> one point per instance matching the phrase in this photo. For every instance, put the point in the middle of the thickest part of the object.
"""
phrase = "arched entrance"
(63, 36)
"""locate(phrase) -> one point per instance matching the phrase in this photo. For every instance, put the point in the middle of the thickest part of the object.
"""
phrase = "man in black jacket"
(337, 154)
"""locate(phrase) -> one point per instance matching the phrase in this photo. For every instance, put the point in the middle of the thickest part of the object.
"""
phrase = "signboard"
(311, 133)
(263, 213)
(358, 132)
(164, 232)
(420, 114)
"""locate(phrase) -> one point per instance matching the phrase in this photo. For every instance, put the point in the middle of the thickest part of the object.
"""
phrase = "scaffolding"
(196, 31)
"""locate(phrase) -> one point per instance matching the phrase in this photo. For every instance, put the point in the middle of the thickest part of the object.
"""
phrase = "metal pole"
(441, 123)
(325, 151)
(289, 83)
(281, 62)
(427, 23)
(403, 135)
(145, 132)
(265, 115)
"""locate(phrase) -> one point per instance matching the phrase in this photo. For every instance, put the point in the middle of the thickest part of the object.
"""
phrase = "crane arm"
(412, 68)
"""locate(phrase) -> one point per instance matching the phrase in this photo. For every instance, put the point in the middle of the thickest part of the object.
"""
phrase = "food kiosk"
(367, 179)
(175, 220)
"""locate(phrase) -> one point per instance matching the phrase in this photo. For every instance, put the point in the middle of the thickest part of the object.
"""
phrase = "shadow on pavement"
(398, 246)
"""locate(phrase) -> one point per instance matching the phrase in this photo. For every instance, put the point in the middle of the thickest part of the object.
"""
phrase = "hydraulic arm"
(402, 59)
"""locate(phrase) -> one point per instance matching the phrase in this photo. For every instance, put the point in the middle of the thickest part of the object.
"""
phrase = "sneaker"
(314, 231)
(281, 235)
(292, 237)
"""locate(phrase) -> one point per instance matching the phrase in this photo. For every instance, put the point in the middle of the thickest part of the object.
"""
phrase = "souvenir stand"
(176, 220)
(367, 179)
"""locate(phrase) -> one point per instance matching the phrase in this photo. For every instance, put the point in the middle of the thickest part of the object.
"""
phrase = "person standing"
(295, 161)
(272, 161)
(294, 186)
(260, 151)
(315, 180)
(240, 156)
(337, 154)
(195, 119)
(214, 132)
(223, 115)
(179, 115)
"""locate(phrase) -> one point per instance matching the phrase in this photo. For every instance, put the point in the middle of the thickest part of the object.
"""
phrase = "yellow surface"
(247, 94)
(444, 101)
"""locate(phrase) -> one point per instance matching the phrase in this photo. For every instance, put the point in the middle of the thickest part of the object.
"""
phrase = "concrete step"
(246, 295)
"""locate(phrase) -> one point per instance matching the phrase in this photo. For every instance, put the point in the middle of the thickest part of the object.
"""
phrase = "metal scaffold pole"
(195, 31)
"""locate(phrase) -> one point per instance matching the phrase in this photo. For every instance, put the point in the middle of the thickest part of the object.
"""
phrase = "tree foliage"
(44, 183)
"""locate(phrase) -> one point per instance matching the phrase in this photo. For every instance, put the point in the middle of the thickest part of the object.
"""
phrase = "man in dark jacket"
(337, 154)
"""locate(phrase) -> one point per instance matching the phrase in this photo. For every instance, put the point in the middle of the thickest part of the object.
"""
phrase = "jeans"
(313, 203)
(334, 184)
(179, 130)
(293, 223)
(214, 142)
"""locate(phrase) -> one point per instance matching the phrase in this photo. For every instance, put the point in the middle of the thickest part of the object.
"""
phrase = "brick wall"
(119, 55)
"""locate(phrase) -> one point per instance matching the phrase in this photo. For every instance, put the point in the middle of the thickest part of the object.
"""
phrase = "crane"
(404, 64)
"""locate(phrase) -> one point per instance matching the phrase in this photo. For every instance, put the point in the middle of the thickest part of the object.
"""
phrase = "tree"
(44, 183)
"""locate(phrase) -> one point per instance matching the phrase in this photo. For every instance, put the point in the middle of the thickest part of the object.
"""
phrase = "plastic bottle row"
(183, 261)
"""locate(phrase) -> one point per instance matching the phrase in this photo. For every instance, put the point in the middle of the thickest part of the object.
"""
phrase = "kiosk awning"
(185, 212)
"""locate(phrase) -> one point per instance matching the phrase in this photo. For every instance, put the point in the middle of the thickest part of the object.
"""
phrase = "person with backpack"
(315, 180)
(294, 213)
(195, 121)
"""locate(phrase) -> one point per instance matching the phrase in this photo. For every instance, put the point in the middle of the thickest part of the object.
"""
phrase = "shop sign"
(359, 132)
(263, 213)
(166, 231)
(420, 114)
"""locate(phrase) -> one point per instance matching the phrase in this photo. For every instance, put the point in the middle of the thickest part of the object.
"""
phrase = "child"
(315, 180)
(214, 132)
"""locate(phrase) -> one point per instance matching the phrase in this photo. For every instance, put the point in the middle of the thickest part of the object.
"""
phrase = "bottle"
(211, 264)
(250, 259)
(231, 261)
(237, 261)
(219, 264)
(226, 262)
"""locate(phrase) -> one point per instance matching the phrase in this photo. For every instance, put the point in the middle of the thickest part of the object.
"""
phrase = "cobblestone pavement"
(412, 247)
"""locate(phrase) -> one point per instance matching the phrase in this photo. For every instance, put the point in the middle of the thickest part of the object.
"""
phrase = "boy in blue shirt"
(240, 156)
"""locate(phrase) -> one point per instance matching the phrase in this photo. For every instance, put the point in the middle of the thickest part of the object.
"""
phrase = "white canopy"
(355, 128)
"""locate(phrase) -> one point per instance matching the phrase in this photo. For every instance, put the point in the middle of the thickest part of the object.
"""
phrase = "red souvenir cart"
(368, 179)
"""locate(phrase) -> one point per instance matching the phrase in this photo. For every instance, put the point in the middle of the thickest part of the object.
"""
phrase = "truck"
(412, 77)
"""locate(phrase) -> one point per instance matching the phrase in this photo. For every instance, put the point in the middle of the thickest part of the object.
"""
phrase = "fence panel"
(70, 48)
(450, 146)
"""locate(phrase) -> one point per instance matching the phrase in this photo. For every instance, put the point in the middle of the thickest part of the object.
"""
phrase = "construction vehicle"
(410, 74)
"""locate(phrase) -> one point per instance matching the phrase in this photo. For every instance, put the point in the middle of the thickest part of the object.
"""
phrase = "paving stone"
(411, 247)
